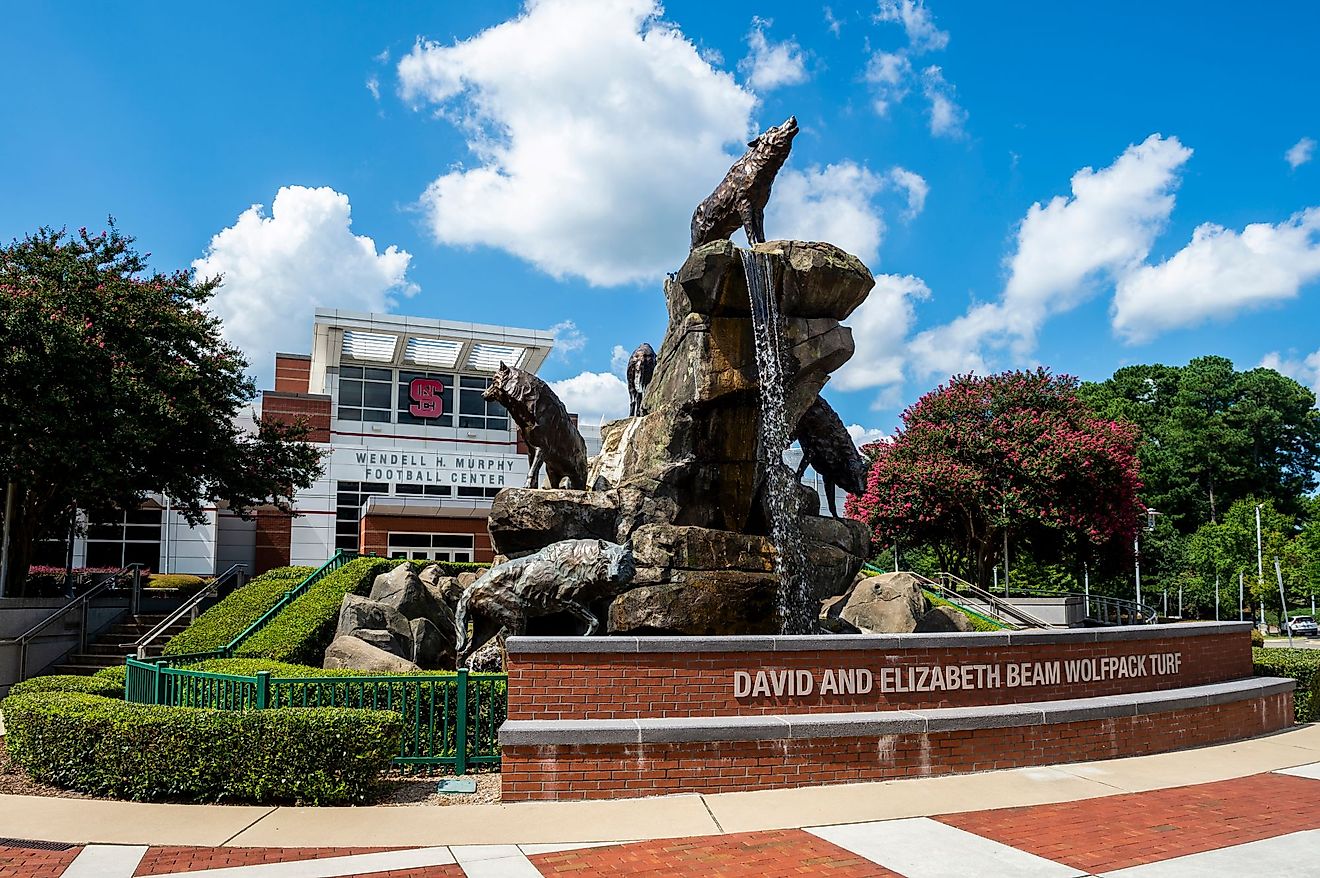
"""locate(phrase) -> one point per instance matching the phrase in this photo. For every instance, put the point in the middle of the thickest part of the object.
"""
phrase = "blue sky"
(536, 165)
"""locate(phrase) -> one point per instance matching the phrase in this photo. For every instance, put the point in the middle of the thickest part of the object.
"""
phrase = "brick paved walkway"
(1265, 823)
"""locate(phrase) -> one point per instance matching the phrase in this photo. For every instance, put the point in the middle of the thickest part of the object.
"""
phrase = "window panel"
(471, 403)
(377, 396)
(378, 374)
(350, 393)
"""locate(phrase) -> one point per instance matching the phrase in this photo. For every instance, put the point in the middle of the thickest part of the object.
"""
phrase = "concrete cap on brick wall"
(843, 642)
(868, 724)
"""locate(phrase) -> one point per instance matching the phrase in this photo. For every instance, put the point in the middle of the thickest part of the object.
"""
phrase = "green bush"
(231, 616)
(174, 581)
(247, 667)
(315, 756)
(114, 674)
(301, 631)
(1302, 665)
(979, 623)
(93, 685)
(1257, 639)
(453, 568)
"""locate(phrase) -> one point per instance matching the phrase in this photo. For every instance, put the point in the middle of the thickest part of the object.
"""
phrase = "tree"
(115, 383)
(1227, 548)
(1014, 453)
(1212, 435)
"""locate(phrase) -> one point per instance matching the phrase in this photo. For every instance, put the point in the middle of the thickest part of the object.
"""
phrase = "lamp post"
(1260, 568)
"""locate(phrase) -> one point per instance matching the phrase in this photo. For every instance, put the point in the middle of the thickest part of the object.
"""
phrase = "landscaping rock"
(402, 589)
(700, 548)
(829, 617)
(375, 623)
(351, 652)
(700, 603)
(890, 603)
(432, 649)
(525, 520)
(943, 619)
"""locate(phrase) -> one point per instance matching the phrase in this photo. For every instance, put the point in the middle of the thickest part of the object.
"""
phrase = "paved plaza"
(1249, 807)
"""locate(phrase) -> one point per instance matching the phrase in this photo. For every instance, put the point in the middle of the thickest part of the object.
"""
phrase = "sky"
(1078, 186)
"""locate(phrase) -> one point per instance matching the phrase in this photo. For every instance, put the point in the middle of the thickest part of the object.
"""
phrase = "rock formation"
(888, 603)
(684, 482)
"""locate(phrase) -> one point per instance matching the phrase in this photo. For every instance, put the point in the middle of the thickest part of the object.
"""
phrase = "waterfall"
(795, 604)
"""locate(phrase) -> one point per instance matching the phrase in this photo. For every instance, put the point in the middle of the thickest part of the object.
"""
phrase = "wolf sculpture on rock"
(551, 437)
(641, 366)
(741, 197)
(567, 576)
(828, 449)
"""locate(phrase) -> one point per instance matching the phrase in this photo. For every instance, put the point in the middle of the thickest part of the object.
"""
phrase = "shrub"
(316, 756)
(114, 674)
(1302, 665)
(174, 580)
(303, 629)
(247, 667)
(240, 608)
(453, 568)
(1257, 639)
(979, 623)
(93, 685)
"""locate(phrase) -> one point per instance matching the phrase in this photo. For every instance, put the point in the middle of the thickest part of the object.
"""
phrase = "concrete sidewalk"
(93, 821)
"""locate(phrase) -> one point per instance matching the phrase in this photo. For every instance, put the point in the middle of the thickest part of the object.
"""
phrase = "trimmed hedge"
(314, 756)
(453, 568)
(172, 581)
(114, 674)
(978, 623)
(1302, 665)
(247, 667)
(93, 685)
(303, 629)
(240, 608)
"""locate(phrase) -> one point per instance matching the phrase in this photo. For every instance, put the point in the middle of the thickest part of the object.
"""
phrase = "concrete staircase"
(107, 649)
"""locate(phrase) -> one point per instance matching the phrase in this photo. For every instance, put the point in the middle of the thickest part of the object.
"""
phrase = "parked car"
(1302, 626)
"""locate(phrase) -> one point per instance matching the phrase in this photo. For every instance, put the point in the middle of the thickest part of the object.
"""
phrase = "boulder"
(375, 623)
(829, 570)
(487, 660)
(464, 579)
(700, 548)
(432, 649)
(358, 655)
(829, 617)
(700, 603)
(846, 534)
(890, 603)
(605, 470)
(402, 589)
(525, 520)
(943, 619)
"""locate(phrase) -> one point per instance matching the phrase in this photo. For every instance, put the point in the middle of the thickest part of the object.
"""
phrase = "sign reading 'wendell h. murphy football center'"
(434, 468)
(950, 678)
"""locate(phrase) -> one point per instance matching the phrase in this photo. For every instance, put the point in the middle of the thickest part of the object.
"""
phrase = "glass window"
(402, 413)
(413, 490)
(464, 491)
(132, 538)
(475, 413)
(349, 497)
(366, 394)
(429, 546)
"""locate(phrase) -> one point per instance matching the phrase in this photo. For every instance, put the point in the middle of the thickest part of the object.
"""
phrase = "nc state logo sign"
(427, 402)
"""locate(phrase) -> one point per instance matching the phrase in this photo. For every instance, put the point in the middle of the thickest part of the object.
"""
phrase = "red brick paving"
(1100, 835)
(782, 854)
(164, 860)
(29, 863)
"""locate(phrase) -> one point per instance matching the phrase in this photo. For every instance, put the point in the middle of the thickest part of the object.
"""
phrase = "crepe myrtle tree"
(115, 382)
(1014, 453)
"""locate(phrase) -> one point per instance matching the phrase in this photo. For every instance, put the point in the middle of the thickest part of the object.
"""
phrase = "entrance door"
(431, 547)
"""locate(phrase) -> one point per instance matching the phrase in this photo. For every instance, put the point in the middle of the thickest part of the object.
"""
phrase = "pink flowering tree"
(1014, 453)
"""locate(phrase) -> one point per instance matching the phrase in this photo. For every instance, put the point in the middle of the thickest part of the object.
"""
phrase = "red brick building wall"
(287, 407)
(273, 539)
(293, 372)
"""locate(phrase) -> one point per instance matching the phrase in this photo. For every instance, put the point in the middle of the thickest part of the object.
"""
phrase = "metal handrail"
(1003, 608)
(80, 603)
(189, 608)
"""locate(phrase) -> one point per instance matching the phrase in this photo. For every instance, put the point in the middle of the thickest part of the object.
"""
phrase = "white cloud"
(834, 204)
(771, 65)
(946, 117)
(918, 24)
(593, 396)
(1218, 274)
(568, 339)
(1300, 153)
(866, 435)
(1064, 248)
(914, 187)
(373, 86)
(596, 128)
(304, 255)
(888, 73)
(880, 327)
(835, 26)
(619, 360)
(1305, 370)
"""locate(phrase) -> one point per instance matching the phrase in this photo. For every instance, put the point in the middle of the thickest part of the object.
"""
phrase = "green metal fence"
(450, 720)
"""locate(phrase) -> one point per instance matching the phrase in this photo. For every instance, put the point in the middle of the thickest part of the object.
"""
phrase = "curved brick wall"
(614, 717)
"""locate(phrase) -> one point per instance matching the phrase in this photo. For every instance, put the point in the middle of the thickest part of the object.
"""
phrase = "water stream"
(795, 604)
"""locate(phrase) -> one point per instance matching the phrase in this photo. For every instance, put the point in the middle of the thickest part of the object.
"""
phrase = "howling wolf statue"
(641, 366)
(828, 449)
(741, 198)
(551, 437)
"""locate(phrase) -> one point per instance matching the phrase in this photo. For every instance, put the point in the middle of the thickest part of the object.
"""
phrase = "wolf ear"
(753, 143)
(502, 366)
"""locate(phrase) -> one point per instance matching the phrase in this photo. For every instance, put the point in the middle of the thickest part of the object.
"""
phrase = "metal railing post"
(263, 689)
(135, 597)
(159, 688)
(82, 625)
(460, 720)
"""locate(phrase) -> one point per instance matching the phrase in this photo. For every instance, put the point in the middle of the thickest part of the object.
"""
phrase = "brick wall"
(293, 372)
(614, 771)
(700, 682)
(273, 539)
(287, 408)
(374, 531)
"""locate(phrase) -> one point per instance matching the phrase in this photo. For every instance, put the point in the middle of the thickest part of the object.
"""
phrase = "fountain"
(725, 538)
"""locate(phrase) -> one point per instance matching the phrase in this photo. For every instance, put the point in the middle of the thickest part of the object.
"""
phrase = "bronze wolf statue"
(828, 449)
(641, 366)
(741, 198)
(563, 577)
(551, 437)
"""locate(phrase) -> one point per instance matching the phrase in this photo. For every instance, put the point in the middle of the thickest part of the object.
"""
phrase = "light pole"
(1241, 597)
(1260, 568)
